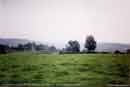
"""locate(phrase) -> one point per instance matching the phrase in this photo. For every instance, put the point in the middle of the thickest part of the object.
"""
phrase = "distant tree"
(41, 47)
(30, 46)
(52, 49)
(128, 51)
(3, 49)
(20, 47)
(117, 52)
(73, 46)
(90, 43)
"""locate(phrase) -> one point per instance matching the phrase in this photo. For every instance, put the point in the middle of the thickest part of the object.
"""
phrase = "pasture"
(93, 70)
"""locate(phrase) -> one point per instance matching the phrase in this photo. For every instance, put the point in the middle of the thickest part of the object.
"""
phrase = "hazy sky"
(57, 21)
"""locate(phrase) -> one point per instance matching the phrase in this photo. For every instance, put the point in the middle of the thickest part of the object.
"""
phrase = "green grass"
(86, 69)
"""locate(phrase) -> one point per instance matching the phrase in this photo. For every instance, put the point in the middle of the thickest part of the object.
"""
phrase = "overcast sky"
(57, 21)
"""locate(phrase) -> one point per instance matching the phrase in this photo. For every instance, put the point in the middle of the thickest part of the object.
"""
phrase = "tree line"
(30, 46)
(73, 46)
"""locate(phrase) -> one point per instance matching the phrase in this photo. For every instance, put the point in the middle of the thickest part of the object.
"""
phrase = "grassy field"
(85, 69)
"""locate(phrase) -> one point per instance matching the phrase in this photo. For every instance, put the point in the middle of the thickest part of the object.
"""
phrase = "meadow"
(93, 70)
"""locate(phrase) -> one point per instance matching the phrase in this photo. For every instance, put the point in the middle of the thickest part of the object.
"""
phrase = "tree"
(41, 47)
(3, 49)
(30, 46)
(73, 46)
(20, 47)
(128, 51)
(90, 43)
(117, 52)
(52, 49)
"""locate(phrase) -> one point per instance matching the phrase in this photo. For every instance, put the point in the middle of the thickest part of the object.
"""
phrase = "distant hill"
(111, 47)
(108, 47)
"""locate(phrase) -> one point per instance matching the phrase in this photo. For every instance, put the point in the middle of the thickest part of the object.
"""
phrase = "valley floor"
(85, 69)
